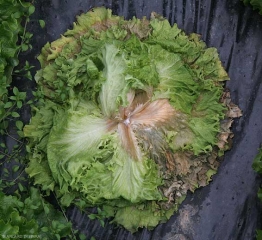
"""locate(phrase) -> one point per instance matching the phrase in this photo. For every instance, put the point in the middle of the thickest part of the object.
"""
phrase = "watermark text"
(20, 236)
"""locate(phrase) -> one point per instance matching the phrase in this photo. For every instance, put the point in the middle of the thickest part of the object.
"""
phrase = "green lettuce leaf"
(119, 176)
(143, 215)
(114, 67)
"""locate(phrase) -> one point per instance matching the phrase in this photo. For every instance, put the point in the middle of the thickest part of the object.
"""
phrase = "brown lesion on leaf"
(186, 172)
(140, 124)
(233, 111)
(129, 140)
(105, 24)
(182, 162)
(141, 28)
(170, 161)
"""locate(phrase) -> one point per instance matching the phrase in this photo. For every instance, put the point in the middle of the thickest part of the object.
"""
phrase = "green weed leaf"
(42, 23)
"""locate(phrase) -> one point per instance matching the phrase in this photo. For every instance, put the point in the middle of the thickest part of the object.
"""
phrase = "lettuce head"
(133, 115)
